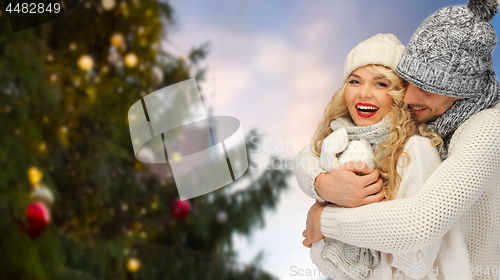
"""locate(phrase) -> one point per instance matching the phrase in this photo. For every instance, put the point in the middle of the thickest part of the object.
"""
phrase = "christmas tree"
(75, 202)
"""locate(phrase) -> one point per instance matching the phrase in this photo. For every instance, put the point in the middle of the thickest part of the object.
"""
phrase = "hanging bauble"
(108, 4)
(85, 62)
(35, 175)
(133, 264)
(117, 39)
(157, 75)
(42, 193)
(222, 217)
(131, 60)
(180, 209)
(38, 217)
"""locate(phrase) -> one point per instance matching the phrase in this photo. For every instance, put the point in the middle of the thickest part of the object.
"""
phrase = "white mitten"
(333, 144)
(358, 150)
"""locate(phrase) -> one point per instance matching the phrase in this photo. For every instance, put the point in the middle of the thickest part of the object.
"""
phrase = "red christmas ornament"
(38, 217)
(180, 209)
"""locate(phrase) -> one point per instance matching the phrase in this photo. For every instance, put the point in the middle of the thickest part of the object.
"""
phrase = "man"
(454, 89)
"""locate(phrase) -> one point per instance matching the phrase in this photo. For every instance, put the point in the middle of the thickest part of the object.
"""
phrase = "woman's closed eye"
(382, 84)
(354, 82)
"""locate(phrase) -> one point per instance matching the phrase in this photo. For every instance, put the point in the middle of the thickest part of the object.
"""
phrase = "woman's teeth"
(366, 109)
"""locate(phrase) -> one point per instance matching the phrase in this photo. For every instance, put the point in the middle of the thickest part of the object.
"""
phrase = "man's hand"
(345, 187)
(313, 232)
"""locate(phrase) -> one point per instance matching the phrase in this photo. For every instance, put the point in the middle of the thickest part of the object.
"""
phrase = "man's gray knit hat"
(450, 54)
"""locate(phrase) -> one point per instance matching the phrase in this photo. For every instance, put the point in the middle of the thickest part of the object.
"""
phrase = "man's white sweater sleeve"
(424, 160)
(410, 224)
(306, 167)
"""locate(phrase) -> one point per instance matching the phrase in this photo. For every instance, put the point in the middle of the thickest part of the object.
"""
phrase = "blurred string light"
(117, 39)
(133, 265)
(85, 62)
(124, 9)
(34, 176)
(42, 147)
(131, 60)
(108, 5)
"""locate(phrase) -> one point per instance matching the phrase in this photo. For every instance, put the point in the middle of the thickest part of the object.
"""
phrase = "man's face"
(426, 106)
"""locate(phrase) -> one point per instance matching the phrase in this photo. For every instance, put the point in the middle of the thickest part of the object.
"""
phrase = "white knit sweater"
(410, 265)
(463, 192)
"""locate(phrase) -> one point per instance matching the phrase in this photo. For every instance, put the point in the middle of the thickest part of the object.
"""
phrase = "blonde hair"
(388, 153)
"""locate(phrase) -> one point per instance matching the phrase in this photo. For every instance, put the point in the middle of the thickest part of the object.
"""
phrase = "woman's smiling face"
(367, 98)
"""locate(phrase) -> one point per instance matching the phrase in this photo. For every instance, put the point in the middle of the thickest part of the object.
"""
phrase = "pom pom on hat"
(483, 9)
(381, 49)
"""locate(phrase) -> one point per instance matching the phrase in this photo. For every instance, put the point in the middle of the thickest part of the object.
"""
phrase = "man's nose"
(411, 95)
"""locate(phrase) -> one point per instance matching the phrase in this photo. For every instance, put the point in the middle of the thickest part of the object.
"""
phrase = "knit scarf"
(348, 258)
(375, 134)
(446, 124)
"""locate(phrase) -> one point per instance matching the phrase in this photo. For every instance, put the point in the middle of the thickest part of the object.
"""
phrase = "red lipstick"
(366, 112)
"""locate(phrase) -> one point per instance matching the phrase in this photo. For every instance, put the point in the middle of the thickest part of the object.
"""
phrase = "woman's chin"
(366, 122)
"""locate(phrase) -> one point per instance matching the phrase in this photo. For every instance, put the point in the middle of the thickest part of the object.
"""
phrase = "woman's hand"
(313, 232)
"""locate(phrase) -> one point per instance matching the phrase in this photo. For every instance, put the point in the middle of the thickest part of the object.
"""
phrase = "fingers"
(374, 198)
(370, 179)
(358, 167)
(373, 193)
(373, 188)
(307, 243)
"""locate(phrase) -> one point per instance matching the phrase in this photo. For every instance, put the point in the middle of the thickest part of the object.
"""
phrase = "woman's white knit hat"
(381, 49)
